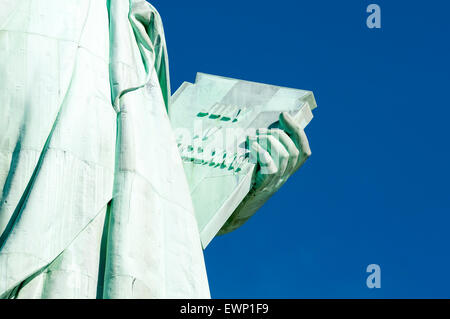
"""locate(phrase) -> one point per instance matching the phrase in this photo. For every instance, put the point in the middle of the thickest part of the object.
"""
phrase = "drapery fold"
(87, 82)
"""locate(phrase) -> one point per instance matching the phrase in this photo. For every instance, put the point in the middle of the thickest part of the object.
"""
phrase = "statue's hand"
(279, 153)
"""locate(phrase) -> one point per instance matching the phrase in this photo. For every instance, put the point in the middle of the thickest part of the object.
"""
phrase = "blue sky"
(376, 190)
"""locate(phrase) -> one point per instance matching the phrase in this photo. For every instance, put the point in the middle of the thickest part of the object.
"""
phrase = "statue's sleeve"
(149, 35)
(149, 31)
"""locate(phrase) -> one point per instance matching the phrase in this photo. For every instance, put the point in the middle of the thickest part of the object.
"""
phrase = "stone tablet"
(212, 119)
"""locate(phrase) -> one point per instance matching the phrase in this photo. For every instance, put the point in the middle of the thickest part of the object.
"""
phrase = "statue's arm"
(279, 154)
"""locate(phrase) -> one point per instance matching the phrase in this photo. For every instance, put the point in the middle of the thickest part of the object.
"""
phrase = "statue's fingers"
(267, 168)
(278, 153)
(305, 150)
(291, 127)
(298, 136)
(289, 145)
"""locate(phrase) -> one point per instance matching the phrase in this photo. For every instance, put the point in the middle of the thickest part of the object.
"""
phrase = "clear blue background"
(376, 189)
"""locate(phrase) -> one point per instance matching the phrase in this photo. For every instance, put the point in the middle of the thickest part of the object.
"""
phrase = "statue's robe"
(94, 201)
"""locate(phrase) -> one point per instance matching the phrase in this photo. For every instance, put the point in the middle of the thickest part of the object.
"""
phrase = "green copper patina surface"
(97, 185)
(212, 120)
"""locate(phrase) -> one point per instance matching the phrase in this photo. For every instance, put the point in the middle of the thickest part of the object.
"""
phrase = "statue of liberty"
(94, 199)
